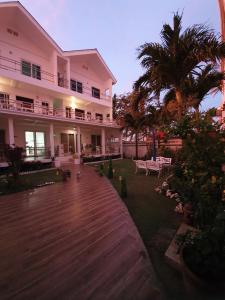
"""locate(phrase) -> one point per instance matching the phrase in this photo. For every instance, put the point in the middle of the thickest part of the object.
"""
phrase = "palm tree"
(195, 88)
(180, 54)
(132, 118)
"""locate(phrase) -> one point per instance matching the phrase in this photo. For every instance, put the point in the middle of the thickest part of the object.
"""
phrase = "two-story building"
(53, 103)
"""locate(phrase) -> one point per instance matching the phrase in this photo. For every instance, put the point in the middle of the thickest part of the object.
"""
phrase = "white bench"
(152, 165)
(148, 166)
(164, 160)
(140, 164)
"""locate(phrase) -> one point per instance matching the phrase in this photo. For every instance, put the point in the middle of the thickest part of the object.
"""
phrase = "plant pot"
(200, 288)
(76, 161)
(57, 163)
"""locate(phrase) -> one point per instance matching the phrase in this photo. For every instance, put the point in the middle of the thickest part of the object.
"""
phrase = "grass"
(155, 219)
(28, 181)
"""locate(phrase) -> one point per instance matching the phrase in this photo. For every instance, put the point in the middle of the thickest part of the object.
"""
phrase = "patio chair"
(152, 165)
(140, 164)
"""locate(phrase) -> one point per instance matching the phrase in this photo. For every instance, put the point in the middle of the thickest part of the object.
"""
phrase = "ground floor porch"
(60, 141)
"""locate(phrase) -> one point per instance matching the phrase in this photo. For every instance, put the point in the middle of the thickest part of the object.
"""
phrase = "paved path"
(72, 240)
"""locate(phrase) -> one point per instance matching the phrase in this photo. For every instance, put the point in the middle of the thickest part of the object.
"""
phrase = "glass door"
(35, 143)
(40, 143)
(29, 139)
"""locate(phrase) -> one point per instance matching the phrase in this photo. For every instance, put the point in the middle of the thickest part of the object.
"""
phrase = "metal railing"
(16, 66)
(57, 113)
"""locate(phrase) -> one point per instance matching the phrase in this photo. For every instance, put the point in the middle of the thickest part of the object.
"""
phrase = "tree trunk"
(179, 103)
(153, 144)
(136, 145)
(197, 113)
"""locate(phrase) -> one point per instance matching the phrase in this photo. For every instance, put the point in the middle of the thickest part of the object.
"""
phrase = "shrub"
(110, 169)
(14, 156)
(123, 188)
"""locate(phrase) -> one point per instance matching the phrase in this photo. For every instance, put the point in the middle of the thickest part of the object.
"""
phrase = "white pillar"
(75, 141)
(55, 67)
(103, 141)
(11, 132)
(121, 144)
(51, 139)
(78, 141)
(68, 73)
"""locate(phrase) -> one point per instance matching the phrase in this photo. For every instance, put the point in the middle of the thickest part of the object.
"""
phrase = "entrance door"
(64, 142)
(71, 143)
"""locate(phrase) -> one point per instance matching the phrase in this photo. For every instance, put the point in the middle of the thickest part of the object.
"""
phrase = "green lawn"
(155, 219)
(28, 181)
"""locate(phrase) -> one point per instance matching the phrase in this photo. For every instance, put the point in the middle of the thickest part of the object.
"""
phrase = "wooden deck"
(72, 240)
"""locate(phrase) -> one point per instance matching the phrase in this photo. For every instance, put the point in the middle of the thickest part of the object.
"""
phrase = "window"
(89, 115)
(4, 100)
(27, 67)
(99, 117)
(45, 108)
(79, 113)
(76, 86)
(35, 143)
(36, 72)
(95, 93)
(26, 104)
(68, 112)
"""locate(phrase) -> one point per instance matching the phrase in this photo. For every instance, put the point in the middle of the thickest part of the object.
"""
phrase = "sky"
(118, 27)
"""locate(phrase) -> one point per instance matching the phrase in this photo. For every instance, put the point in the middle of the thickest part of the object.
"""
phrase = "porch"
(44, 139)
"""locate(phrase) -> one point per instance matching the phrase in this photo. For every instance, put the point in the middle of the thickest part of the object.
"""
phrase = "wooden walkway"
(72, 240)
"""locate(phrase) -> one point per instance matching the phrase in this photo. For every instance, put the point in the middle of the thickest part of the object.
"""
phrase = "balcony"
(35, 72)
(32, 109)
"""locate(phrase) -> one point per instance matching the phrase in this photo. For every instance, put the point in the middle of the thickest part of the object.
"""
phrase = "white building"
(53, 103)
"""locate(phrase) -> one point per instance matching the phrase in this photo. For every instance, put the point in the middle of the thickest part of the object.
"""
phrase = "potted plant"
(76, 158)
(202, 258)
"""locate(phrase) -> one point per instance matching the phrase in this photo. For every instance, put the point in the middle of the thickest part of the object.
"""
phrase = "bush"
(110, 169)
(204, 252)
(14, 156)
(123, 188)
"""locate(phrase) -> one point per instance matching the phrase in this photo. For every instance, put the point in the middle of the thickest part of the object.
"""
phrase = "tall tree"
(180, 54)
(132, 117)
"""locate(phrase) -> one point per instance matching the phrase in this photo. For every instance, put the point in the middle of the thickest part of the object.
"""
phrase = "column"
(68, 73)
(51, 140)
(75, 141)
(78, 141)
(121, 144)
(55, 67)
(11, 132)
(103, 141)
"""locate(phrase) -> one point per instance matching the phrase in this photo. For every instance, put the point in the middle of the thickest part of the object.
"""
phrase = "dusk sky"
(118, 27)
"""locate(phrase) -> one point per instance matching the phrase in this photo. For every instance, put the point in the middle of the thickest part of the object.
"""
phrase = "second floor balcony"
(20, 107)
(33, 70)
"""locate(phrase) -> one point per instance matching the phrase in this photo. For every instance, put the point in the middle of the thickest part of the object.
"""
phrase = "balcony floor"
(72, 240)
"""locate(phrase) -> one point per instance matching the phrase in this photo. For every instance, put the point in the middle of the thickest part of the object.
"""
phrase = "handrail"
(37, 109)
(16, 66)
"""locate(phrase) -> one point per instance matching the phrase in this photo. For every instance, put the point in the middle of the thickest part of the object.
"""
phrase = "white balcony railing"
(9, 105)
(16, 66)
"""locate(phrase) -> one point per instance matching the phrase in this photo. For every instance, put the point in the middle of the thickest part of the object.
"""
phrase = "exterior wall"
(84, 73)
(19, 47)
(143, 147)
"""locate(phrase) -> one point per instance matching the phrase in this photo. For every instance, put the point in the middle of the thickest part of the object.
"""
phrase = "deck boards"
(72, 240)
